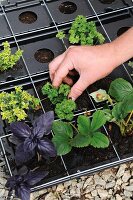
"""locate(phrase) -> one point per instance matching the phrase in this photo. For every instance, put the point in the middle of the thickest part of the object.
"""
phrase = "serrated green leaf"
(81, 141)
(98, 120)
(83, 124)
(99, 140)
(62, 128)
(62, 144)
(120, 88)
(118, 111)
(128, 103)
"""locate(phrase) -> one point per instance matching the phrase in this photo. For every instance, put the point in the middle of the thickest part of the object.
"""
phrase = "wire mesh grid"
(57, 27)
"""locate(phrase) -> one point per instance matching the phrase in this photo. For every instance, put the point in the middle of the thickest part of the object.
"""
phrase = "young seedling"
(120, 95)
(8, 60)
(64, 107)
(22, 184)
(85, 133)
(13, 105)
(32, 140)
(83, 32)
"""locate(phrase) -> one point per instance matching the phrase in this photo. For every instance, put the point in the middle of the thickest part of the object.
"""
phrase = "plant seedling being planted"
(85, 133)
(83, 32)
(21, 184)
(64, 107)
(14, 105)
(121, 93)
(32, 140)
(8, 60)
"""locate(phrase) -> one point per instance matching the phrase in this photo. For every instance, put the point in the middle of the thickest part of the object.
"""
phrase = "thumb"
(78, 89)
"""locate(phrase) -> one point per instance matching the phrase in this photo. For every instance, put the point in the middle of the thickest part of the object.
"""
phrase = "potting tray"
(39, 37)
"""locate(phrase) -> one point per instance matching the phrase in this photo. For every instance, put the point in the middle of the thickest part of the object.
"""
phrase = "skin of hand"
(91, 62)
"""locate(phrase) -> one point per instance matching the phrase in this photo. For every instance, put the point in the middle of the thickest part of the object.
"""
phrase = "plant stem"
(73, 127)
(129, 118)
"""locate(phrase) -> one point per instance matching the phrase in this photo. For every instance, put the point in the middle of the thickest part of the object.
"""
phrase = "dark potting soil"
(44, 55)
(80, 159)
(123, 144)
(28, 17)
(67, 7)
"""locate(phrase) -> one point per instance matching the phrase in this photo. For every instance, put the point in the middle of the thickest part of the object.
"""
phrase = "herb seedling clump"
(13, 105)
(64, 107)
(8, 60)
(83, 32)
(85, 133)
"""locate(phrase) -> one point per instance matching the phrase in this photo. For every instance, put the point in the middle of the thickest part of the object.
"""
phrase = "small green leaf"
(62, 128)
(62, 144)
(120, 88)
(98, 120)
(128, 103)
(99, 140)
(81, 141)
(83, 125)
(108, 115)
(118, 113)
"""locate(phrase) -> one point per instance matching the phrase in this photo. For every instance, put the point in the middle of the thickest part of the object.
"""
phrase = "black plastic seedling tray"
(39, 37)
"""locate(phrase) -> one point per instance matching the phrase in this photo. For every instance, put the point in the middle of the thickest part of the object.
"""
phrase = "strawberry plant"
(83, 32)
(7, 59)
(32, 140)
(85, 133)
(120, 96)
(13, 105)
(64, 107)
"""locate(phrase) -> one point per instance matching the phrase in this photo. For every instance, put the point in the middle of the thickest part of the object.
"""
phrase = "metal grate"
(32, 79)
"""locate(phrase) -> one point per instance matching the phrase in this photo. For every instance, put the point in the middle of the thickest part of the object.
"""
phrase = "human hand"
(91, 62)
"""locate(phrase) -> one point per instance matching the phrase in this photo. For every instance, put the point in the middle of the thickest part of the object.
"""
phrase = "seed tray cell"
(104, 6)
(18, 71)
(28, 19)
(66, 11)
(119, 24)
(4, 28)
(39, 52)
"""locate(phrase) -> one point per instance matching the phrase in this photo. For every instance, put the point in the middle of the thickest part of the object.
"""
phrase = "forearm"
(123, 47)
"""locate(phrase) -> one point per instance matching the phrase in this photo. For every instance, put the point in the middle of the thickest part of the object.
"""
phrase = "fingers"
(55, 64)
(78, 88)
(68, 80)
(62, 71)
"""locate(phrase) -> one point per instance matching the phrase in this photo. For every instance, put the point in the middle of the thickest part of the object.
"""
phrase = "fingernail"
(71, 98)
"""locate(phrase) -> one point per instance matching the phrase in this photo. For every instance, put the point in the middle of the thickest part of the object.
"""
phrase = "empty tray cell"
(4, 28)
(28, 19)
(118, 24)
(104, 6)
(16, 72)
(65, 11)
(40, 51)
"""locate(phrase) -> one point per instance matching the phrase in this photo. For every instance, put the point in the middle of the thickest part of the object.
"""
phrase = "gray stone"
(110, 185)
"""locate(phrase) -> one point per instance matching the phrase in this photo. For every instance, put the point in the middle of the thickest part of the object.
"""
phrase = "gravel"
(111, 184)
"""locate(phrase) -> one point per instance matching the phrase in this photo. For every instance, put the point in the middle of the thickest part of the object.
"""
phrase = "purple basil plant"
(32, 140)
(21, 184)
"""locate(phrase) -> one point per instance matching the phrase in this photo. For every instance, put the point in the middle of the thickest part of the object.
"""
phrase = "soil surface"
(28, 17)
(67, 7)
(44, 55)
